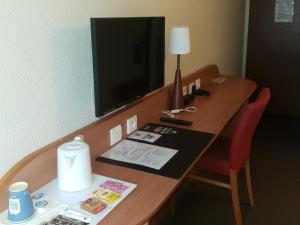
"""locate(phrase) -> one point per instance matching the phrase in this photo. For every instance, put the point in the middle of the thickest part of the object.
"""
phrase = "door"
(273, 53)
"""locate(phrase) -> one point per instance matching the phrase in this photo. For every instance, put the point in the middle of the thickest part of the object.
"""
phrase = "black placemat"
(189, 144)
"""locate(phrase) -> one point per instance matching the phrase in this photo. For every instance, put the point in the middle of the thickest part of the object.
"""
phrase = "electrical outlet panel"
(184, 90)
(191, 87)
(115, 134)
(198, 84)
(131, 124)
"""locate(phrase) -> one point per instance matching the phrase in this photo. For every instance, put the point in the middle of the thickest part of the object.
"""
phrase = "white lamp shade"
(179, 42)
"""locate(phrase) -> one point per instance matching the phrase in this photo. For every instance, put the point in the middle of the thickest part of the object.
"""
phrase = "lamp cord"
(171, 113)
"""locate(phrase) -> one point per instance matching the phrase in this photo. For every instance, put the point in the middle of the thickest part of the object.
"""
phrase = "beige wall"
(46, 63)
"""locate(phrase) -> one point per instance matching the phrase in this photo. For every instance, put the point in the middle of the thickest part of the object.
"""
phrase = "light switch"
(115, 134)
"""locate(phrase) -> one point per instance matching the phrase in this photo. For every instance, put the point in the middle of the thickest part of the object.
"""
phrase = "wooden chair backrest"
(242, 138)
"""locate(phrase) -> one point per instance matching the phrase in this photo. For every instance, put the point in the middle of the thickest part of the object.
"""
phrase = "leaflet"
(145, 136)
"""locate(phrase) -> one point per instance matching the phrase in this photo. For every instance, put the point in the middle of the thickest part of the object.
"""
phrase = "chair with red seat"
(227, 156)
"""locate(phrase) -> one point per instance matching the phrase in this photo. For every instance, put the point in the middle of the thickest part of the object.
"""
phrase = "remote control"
(176, 121)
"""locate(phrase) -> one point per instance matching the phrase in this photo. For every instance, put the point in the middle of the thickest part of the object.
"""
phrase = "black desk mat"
(189, 144)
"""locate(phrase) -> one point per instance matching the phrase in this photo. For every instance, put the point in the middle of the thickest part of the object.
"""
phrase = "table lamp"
(179, 43)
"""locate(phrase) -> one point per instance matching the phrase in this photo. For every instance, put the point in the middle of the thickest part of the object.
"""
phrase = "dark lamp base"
(177, 95)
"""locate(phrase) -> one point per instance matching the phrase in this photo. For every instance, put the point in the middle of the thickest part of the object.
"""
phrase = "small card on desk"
(93, 205)
(218, 80)
(144, 136)
(106, 195)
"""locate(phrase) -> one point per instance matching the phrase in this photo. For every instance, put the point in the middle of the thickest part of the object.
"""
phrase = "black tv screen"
(128, 59)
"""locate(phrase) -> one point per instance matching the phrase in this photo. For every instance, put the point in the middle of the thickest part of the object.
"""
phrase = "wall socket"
(184, 90)
(198, 84)
(191, 87)
(131, 124)
(115, 134)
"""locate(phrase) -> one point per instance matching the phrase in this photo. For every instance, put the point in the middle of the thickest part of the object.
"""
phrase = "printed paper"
(141, 154)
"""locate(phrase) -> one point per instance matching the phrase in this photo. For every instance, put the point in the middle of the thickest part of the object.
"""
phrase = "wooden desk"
(213, 114)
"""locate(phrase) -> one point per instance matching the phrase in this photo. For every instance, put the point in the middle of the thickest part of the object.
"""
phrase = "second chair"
(227, 156)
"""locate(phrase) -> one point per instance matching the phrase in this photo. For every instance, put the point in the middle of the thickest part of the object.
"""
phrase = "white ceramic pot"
(74, 171)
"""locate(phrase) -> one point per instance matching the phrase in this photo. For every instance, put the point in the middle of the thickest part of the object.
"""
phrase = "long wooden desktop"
(213, 114)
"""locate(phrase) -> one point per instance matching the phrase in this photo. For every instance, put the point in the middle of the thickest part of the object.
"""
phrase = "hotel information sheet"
(141, 154)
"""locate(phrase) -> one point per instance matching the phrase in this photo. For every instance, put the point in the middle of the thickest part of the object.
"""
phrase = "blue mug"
(20, 206)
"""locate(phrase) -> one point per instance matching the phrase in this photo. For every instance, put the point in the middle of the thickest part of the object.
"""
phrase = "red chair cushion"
(216, 159)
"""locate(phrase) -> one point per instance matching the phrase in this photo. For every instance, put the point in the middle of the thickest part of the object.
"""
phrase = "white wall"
(46, 62)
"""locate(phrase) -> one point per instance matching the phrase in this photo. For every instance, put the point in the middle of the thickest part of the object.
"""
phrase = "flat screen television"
(128, 59)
